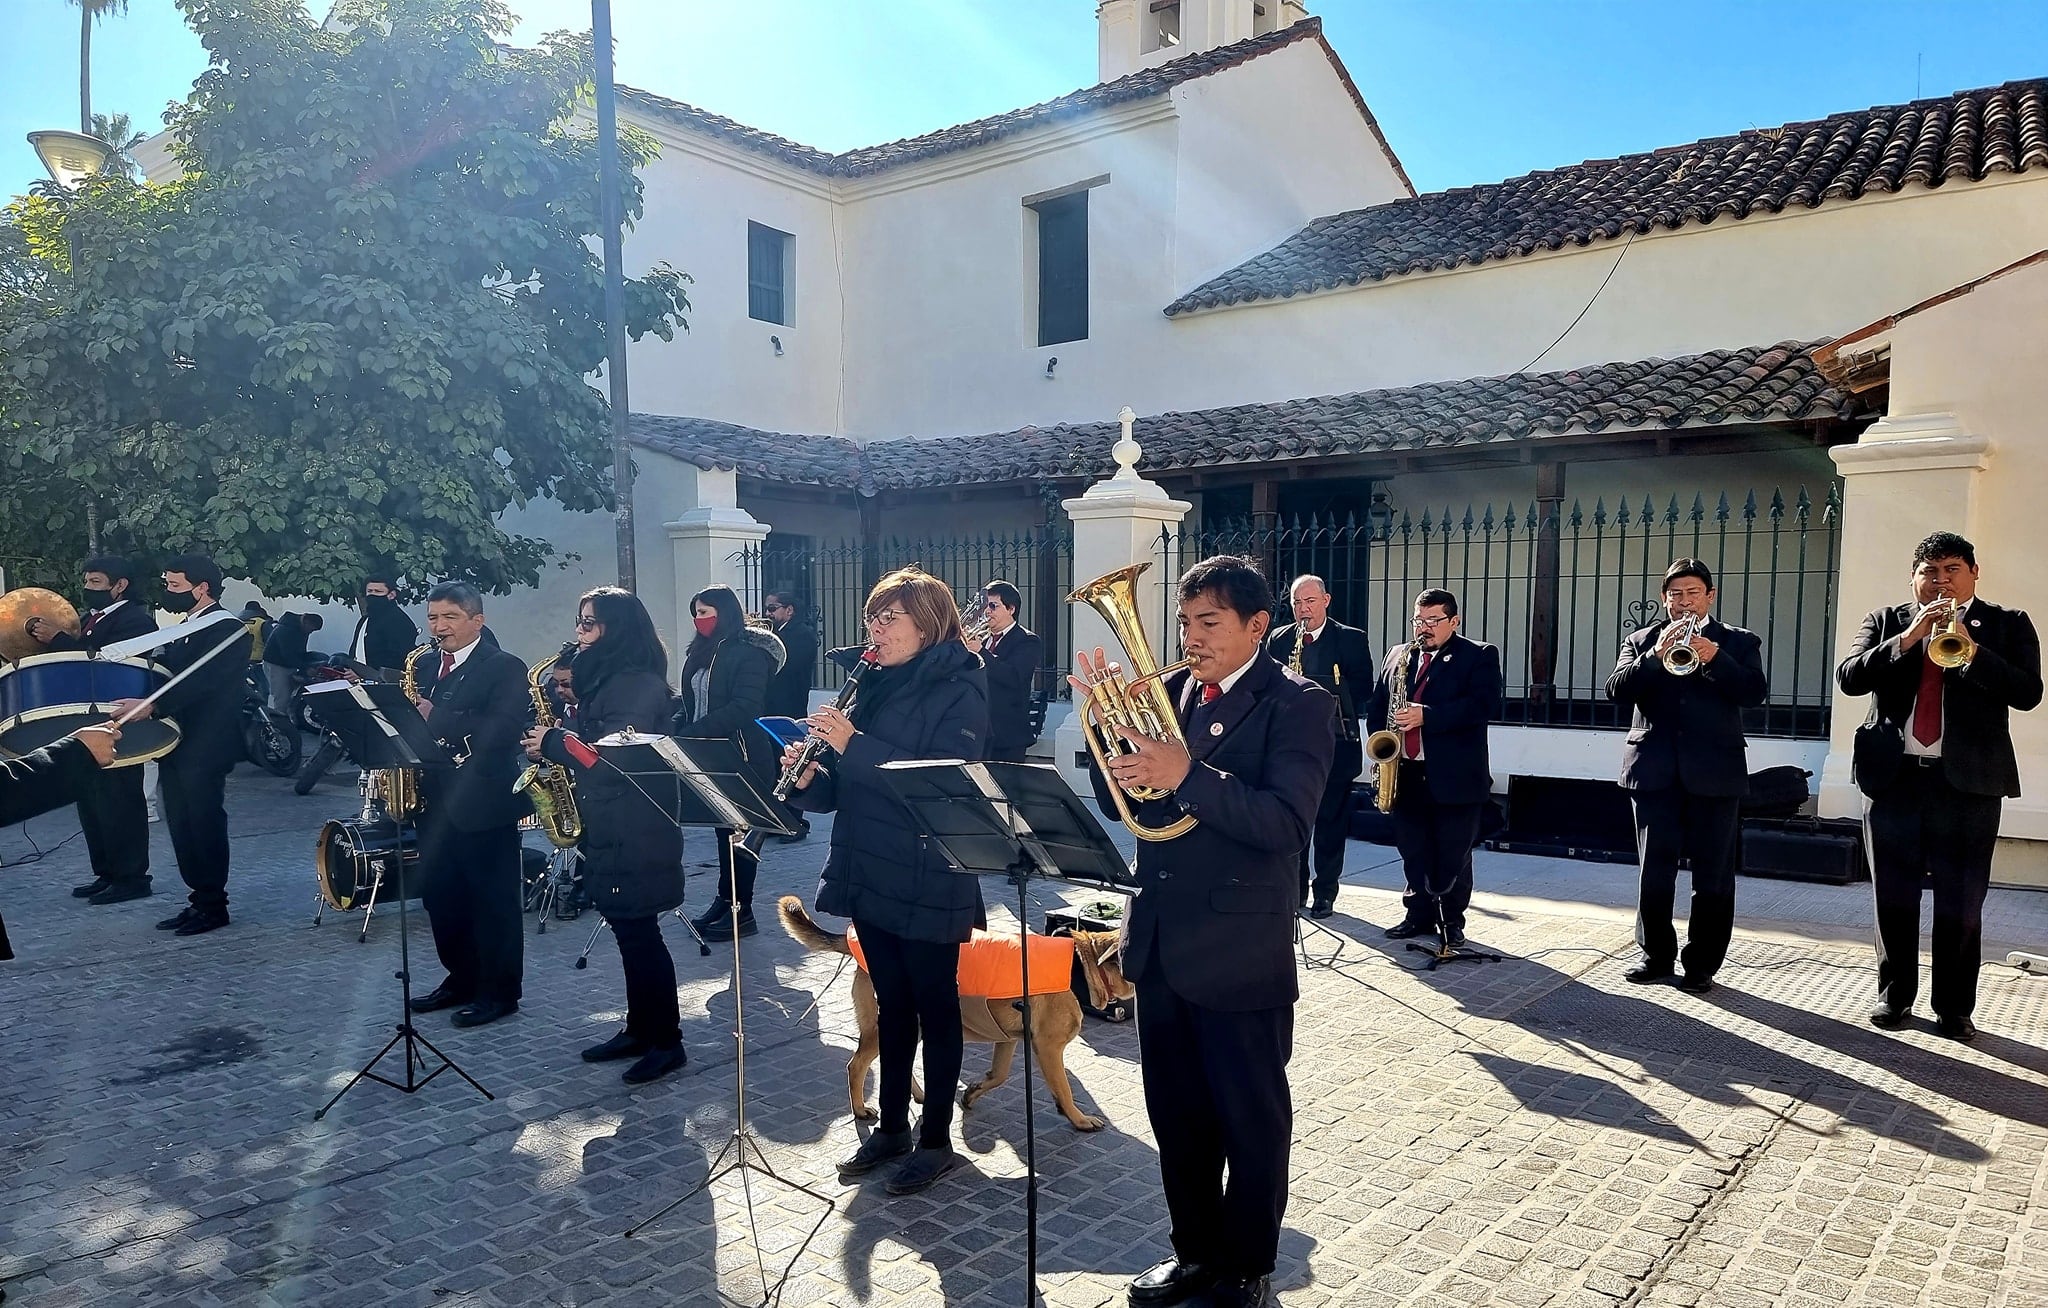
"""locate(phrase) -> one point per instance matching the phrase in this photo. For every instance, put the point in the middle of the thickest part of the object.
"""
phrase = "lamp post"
(70, 158)
(614, 285)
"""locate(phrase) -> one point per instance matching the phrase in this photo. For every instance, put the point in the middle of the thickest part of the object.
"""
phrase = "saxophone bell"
(548, 785)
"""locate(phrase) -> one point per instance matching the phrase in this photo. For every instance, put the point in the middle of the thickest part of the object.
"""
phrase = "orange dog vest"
(991, 966)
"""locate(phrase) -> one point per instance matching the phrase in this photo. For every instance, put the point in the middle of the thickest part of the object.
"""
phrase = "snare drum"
(355, 858)
(46, 697)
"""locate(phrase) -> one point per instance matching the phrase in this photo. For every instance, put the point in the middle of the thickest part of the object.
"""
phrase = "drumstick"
(241, 633)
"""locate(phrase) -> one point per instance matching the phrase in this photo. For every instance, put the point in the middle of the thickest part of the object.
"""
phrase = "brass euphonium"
(1137, 702)
(1948, 646)
(547, 785)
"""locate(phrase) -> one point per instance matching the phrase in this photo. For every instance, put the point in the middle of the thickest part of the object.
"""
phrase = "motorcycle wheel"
(316, 765)
(272, 744)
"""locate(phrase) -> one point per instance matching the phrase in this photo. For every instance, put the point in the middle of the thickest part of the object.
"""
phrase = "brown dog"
(1055, 1018)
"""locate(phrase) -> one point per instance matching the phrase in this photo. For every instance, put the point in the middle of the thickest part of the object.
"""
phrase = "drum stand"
(742, 1152)
(415, 1061)
(371, 814)
(560, 879)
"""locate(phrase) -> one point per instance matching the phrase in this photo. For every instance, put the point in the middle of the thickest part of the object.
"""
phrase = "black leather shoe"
(1455, 937)
(1647, 973)
(622, 1045)
(1956, 1028)
(173, 923)
(1246, 1292)
(484, 1012)
(923, 1170)
(121, 892)
(1887, 1018)
(654, 1065)
(440, 997)
(91, 888)
(1403, 930)
(1323, 908)
(880, 1147)
(720, 927)
(1170, 1282)
(1694, 984)
(201, 923)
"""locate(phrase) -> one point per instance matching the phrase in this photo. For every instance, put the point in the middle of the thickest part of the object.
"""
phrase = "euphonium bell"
(1138, 702)
(1948, 646)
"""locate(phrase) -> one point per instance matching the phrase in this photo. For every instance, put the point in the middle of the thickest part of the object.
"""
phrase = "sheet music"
(704, 788)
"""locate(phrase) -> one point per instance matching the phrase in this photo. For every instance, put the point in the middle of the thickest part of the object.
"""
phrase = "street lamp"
(70, 157)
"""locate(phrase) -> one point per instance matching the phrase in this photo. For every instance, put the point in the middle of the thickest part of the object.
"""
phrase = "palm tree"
(90, 12)
(120, 136)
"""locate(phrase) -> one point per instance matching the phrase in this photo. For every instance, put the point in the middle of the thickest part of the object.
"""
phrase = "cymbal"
(18, 606)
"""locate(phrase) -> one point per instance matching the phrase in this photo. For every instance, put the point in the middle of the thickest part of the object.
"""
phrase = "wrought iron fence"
(833, 581)
(1558, 588)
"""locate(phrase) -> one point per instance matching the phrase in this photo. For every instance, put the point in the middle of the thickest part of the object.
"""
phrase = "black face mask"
(98, 599)
(369, 600)
(180, 601)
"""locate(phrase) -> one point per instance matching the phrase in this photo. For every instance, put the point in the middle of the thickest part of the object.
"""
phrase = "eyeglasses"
(884, 619)
(588, 624)
(1430, 624)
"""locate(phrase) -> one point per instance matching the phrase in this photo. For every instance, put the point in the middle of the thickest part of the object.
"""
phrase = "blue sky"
(1465, 91)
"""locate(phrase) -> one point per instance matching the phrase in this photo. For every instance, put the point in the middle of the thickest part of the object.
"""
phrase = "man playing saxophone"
(1211, 931)
(474, 698)
(1339, 659)
(1684, 765)
(1442, 776)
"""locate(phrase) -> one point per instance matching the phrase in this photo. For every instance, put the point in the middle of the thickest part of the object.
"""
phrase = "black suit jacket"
(124, 623)
(1976, 701)
(483, 708)
(1687, 731)
(1339, 660)
(1461, 696)
(1215, 909)
(207, 706)
(1012, 666)
(388, 634)
(789, 690)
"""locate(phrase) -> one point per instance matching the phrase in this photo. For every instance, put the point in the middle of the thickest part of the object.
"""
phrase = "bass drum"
(46, 697)
(353, 857)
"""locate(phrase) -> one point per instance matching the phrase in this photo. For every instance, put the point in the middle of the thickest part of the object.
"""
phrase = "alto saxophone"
(1383, 747)
(401, 786)
(547, 785)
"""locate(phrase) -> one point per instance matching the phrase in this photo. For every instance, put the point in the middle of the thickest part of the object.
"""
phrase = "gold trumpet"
(1138, 703)
(1948, 646)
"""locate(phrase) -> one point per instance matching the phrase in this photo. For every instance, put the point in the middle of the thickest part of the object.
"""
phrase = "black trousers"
(1435, 841)
(472, 896)
(115, 818)
(195, 810)
(737, 886)
(1216, 1092)
(652, 1014)
(1921, 831)
(1333, 824)
(1706, 830)
(917, 987)
(1008, 753)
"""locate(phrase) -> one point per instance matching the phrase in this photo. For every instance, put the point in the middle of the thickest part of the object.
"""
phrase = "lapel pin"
(1215, 728)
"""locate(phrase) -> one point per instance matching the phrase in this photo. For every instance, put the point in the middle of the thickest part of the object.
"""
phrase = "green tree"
(357, 330)
(121, 138)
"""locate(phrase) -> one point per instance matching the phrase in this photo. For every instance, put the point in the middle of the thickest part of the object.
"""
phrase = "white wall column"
(1119, 521)
(709, 539)
(1903, 480)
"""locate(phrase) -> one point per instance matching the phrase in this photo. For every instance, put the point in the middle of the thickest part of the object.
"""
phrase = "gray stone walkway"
(1534, 1132)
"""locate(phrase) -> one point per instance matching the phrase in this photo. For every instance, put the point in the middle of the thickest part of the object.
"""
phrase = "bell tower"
(1135, 34)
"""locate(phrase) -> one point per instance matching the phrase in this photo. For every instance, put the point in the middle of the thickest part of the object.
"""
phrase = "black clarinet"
(813, 747)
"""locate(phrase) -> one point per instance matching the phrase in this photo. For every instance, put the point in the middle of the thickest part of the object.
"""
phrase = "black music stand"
(379, 728)
(721, 791)
(1013, 820)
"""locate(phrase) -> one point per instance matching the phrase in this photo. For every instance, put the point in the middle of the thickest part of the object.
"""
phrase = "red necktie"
(1411, 739)
(447, 663)
(90, 619)
(1927, 707)
(1210, 692)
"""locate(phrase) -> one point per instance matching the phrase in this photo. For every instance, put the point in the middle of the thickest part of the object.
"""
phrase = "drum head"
(150, 738)
(335, 860)
(350, 856)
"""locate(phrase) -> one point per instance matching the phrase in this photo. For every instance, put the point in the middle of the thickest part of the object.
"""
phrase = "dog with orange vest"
(988, 1009)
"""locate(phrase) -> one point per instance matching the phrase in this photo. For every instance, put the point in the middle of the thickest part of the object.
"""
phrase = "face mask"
(180, 601)
(376, 599)
(98, 599)
(706, 627)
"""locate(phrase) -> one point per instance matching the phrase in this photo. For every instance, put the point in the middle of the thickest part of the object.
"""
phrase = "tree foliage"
(356, 330)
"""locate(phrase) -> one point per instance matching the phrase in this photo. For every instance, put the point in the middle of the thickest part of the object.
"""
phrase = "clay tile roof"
(876, 158)
(1758, 384)
(1968, 136)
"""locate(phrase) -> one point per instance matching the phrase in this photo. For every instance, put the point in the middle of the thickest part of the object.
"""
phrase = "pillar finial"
(1126, 451)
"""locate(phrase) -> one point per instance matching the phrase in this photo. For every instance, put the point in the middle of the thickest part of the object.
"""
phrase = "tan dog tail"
(808, 933)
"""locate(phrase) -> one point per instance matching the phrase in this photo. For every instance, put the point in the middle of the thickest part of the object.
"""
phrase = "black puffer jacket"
(632, 848)
(880, 870)
(741, 668)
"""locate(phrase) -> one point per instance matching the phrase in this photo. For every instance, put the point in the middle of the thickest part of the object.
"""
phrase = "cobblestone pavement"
(1532, 1132)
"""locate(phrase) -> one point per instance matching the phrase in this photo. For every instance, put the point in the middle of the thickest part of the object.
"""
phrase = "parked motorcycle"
(268, 736)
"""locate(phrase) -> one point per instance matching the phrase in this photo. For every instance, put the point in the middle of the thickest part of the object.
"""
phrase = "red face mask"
(706, 627)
